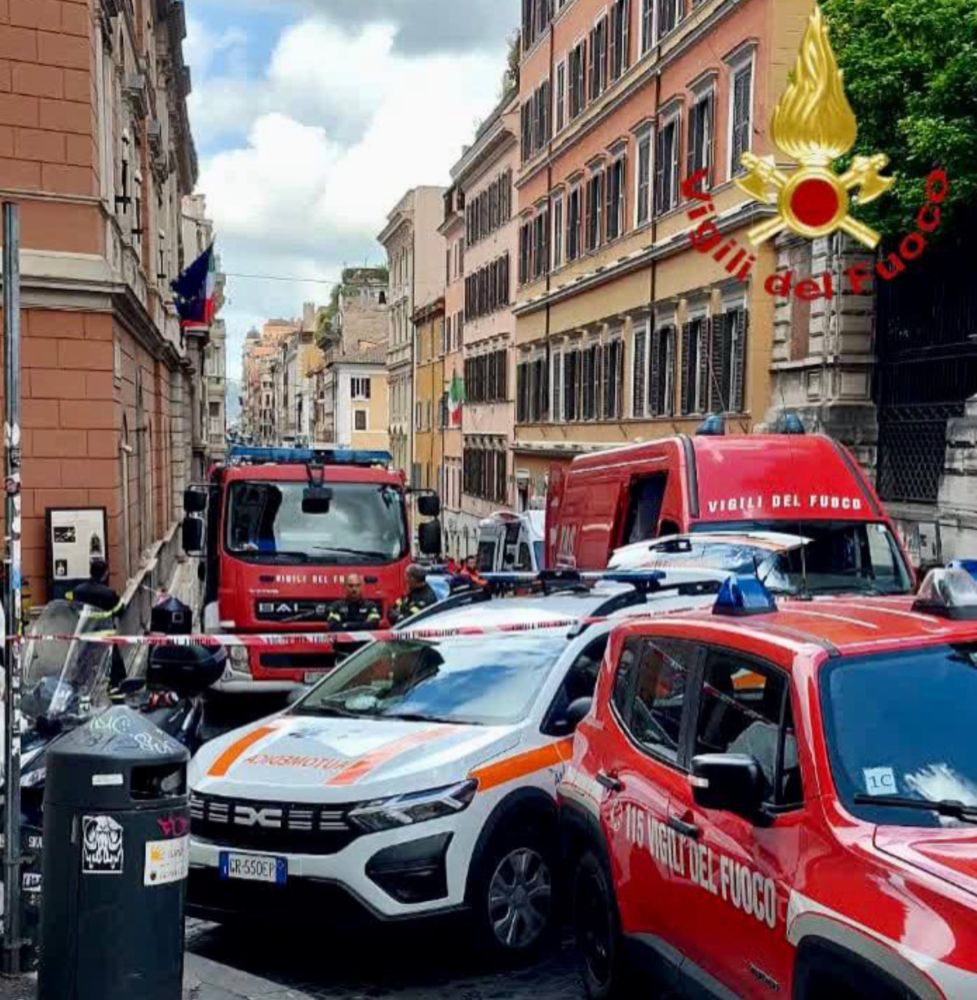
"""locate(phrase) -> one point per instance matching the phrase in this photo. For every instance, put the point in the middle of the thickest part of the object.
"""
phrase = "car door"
(733, 897)
(642, 768)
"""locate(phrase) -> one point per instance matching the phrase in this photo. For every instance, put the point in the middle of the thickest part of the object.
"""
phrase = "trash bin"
(115, 861)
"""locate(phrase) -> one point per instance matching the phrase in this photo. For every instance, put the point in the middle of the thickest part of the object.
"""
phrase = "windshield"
(61, 677)
(843, 556)
(902, 724)
(539, 550)
(463, 680)
(365, 524)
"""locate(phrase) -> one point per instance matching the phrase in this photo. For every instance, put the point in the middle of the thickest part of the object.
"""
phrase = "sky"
(313, 117)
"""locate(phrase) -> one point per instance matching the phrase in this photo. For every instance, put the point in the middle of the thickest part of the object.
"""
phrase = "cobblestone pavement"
(406, 963)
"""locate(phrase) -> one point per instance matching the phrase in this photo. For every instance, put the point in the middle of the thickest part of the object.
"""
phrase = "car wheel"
(597, 932)
(513, 899)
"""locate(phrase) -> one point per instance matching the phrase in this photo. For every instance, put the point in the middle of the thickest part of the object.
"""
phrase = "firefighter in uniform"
(419, 595)
(353, 613)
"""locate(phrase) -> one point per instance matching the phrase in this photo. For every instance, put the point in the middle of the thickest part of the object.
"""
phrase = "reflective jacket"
(414, 601)
(353, 615)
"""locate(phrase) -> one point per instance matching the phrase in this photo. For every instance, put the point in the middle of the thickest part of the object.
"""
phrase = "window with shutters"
(557, 230)
(595, 204)
(541, 241)
(571, 385)
(613, 380)
(486, 377)
(560, 111)
(669, 15)
(578, 80)
(728, 382)
(525, 246)
(661, 372)
(522, 392)
(620, 38)
(639, 369)
(741, 114)
(647, 25)
(696, 365)
(642, 182)
(556, 388)
(701, 132)
(598, 58)
(574, 224)
(666, 166)
(590, 379)
(615, 199)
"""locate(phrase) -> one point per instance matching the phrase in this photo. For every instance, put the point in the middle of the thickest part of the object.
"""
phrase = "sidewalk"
(203, 980)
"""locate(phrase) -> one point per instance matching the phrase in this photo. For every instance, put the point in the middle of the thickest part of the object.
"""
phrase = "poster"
(75, 537)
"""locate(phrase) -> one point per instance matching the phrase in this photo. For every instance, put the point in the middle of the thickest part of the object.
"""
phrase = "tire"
(822, 974)
(597, 932)
(513, 893)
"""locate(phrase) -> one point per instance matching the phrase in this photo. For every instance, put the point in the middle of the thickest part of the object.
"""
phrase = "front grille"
(298, 661)
(276, 827)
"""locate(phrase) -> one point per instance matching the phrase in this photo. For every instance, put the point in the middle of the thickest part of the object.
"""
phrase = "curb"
(204, 979)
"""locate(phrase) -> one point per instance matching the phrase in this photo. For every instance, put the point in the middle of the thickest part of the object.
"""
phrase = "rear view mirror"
(316, 500)
(186, 670)
(194, 501)
(429, 538)
(429, 505)
(192, 536)
(728, 782)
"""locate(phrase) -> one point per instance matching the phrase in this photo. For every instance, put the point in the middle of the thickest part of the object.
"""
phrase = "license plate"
(253, 868)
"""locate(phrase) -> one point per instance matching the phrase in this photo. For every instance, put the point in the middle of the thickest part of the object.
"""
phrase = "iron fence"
(912, 450)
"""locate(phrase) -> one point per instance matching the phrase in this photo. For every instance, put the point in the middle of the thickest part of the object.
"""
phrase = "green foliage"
(911, 76)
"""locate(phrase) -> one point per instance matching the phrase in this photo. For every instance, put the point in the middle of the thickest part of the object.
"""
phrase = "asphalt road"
(406, 963)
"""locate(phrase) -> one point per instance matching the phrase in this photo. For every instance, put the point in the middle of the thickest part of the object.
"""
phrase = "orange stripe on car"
(362, 766)
(522, 764)
(230, 756)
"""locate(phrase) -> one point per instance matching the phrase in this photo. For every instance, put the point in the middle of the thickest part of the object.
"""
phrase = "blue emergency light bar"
(245, 455)
(742, 596)
(967, 565)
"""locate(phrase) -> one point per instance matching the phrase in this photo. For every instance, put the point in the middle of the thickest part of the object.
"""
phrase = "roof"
(375, 354)
(844, 625)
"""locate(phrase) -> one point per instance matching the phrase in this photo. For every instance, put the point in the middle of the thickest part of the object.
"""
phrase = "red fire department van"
(806, 485)
(280, 530)
(770, 802)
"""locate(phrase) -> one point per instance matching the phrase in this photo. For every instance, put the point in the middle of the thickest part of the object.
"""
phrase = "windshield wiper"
(351, 552)
(945, 807)
(423, 717)
(327, 710)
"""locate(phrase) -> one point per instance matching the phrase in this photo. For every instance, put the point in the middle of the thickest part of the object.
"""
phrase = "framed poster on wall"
(75, 536)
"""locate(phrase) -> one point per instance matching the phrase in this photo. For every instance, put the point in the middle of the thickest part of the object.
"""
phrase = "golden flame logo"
(814, 124)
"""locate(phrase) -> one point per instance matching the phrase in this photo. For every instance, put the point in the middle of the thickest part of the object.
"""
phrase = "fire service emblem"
(814, 124)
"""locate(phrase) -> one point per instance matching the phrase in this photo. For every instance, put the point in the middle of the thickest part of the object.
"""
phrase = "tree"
(911, 76)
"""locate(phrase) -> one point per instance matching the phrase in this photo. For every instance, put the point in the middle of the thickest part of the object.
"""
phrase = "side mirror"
(429, 538)
(194, 501)
(429, 505)
(728, 782)
(192, 536)
(576, 712)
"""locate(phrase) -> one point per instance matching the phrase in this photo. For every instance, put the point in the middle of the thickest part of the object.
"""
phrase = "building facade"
(429, 422)
(97, 152)
(415, 261)
(624, 330)
(486, 173)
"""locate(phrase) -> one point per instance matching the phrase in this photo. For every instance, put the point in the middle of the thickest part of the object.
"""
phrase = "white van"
(510, 542)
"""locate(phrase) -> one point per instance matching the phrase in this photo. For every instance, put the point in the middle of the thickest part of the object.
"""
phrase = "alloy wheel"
(520, 898)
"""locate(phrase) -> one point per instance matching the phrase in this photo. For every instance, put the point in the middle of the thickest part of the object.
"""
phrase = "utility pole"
(12, 590)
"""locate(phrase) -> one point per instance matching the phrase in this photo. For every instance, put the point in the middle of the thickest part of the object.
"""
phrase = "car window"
(644, 508)
(650, 688)
(524, 561)
(744, 709)
(580, 681)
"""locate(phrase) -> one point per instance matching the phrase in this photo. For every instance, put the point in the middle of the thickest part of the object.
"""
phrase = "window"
(485, 472)
(492, 207)
(525, 252)
(535, 124)
(666, 166)
(649, 693)
(745, 709)
(486, 377)
(613, 379)
(557, 230)
(642, 184)
(620, 37)
(581, 678)
(360, 388)
(536, 16)
(740, 114)
(669, 15)
(359, 420)
(639, 385)
(615, 199)
(532, 392)
(556, 383)
(578, 78)
(595, 199)
(700, 154)
(541, 244)
(574, 224)
(561, 96)
(487, 290)
(696, 364)
(571, 385)
(647, 25)
(598, 59)
(661, 372)
(727, 381)
(644, 508)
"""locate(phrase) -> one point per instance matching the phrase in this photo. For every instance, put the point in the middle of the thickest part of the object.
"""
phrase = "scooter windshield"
(65, 676)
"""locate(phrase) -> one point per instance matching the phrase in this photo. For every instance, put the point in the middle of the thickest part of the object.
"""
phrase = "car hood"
(310, 759)
(950, 854)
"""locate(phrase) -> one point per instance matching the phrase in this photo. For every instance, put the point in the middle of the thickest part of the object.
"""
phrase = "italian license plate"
(253, 868)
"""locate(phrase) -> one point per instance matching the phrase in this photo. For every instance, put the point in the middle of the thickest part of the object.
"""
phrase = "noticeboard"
(75, 536)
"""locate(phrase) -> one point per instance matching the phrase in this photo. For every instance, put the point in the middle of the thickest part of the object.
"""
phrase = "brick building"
(95, 147)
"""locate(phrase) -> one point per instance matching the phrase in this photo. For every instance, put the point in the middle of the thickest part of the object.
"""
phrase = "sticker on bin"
(253, 868)
(102, 846)
(167, 861)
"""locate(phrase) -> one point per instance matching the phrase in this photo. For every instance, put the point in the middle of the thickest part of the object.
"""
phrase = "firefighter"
(353, 613)
(469, 573)
(419, 595)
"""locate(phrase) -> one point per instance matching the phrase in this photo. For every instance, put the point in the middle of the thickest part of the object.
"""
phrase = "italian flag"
(456, 399)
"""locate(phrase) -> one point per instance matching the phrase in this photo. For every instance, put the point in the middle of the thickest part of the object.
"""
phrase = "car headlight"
(239, 656)
(417, 807)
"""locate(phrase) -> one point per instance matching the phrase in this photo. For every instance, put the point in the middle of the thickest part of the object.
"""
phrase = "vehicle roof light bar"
(246, 455)
(743, 596)
(948, 593)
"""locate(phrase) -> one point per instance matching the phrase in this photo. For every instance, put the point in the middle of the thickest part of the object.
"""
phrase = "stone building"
(95, 147)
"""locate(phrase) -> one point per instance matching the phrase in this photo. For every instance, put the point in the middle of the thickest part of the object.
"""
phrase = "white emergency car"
(417, 779)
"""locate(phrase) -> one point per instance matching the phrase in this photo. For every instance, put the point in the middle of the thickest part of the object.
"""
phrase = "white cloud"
(335, 132)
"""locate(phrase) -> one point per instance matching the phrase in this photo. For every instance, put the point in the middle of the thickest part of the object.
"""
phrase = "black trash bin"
(116, 856)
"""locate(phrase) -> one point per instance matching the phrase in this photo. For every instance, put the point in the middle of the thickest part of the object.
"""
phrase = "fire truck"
(277, 531)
